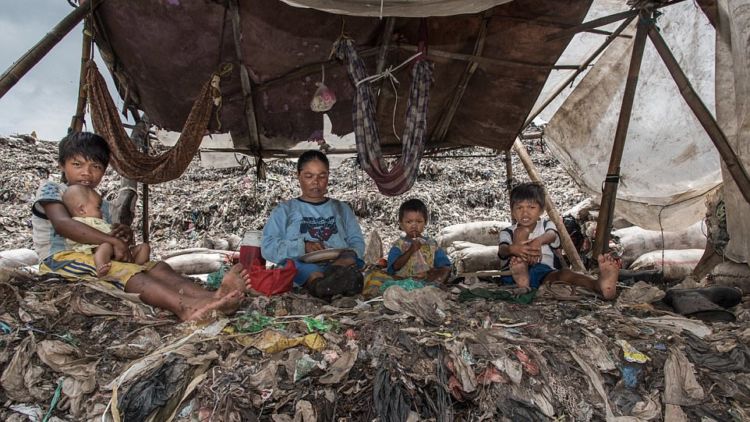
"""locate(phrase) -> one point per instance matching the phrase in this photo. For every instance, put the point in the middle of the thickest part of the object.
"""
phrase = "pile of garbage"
(74, 351)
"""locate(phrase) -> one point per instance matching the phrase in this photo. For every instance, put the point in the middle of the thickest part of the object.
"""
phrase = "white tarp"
(411, 8)
(669, 163)
(733, 114)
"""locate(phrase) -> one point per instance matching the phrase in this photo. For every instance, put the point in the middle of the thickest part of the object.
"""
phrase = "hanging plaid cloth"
(403, 173)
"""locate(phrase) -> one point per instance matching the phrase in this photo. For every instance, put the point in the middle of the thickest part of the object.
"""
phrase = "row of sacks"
(473, 247)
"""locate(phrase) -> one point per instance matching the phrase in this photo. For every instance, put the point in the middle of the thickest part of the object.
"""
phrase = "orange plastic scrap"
(530, 367)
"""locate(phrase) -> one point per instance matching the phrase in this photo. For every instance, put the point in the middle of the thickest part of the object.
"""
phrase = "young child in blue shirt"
(527, 248)
(416, 255)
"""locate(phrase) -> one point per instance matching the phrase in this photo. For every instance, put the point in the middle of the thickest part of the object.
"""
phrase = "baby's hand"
(122, 232)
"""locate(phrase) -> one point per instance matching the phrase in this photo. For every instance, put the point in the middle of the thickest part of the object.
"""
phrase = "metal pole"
(609, 194)
(19, 68)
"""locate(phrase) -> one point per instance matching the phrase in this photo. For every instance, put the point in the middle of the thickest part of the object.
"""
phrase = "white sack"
(636, 241)
(196, 263)
(677, 264)
(481, 232)
(478, 258)
(17, 258)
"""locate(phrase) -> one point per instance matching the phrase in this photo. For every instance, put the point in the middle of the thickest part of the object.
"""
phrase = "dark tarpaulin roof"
(163, 51)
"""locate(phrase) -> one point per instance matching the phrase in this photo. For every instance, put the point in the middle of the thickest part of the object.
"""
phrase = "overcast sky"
(44, 100)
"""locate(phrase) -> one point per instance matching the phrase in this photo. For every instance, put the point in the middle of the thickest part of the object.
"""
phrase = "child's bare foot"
(234, 280)
(608, 272)
(103, 269)
(202, 308)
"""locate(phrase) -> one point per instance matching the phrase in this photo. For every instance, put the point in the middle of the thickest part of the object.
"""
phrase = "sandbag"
(636, 241)
(460, 245)
(477, 258)
(678, 263)
(17, 258)
(731, 274)
(196, 263)
(481, 232)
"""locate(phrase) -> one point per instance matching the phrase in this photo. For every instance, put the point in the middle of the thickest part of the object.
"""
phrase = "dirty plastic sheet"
(733, 87)
(681, 387)
(669, 163)
(412, 8)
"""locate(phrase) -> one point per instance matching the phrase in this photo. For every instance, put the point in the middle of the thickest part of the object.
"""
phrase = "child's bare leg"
(155, 292)
(234, 279)
(608, 273)
(519, 270)
(606, 285)
(103, 258)
(141, 253)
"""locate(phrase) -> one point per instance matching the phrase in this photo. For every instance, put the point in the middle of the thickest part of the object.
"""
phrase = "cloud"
(44, 100)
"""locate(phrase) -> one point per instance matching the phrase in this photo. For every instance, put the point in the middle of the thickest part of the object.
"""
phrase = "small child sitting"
(85, 205)
(415, 255)
(527, 248)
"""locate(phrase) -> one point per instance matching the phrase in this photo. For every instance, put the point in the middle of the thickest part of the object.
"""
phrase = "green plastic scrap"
(303, 366)
(213, 281)
(318, 324)
(254, 322)
(407, 284)
(55, 399)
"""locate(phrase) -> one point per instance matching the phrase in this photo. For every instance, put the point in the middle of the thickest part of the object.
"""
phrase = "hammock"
(126, 158)
(403, 173)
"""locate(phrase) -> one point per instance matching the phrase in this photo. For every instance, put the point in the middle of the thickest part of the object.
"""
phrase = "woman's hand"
(314, 246)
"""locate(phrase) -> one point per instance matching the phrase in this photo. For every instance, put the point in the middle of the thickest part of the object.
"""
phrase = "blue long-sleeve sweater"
(295, 221)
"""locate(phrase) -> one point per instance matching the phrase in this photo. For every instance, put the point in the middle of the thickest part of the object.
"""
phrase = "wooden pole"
(247, 90)
(581, 68)
(554, 215)
(123, 207)
(76, 123)
(442, 126)
(609, 195)
(508, 172)
(21, 66)
(735, 167)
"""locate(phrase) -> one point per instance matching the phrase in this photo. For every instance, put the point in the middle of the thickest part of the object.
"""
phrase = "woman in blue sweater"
(314, 222)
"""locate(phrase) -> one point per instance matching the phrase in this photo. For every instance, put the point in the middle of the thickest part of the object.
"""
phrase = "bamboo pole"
(609, 194)
(605, 20)
(21, 66)
(442, 126)
(76, 123)
(560, 88)
(554, 215)
(735, 167)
